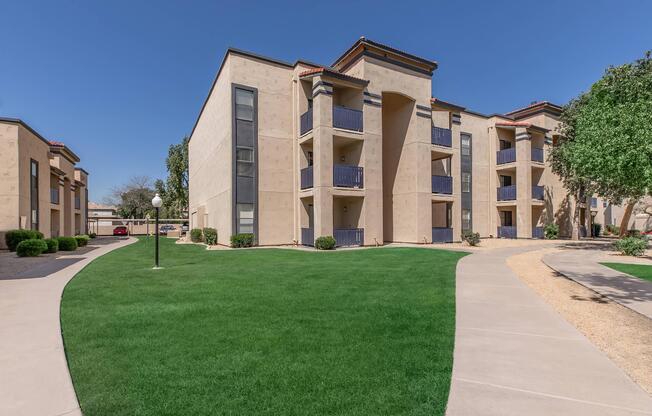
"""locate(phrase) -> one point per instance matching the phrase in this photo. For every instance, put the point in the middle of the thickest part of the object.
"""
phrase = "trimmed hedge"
(326, 242)
(31, 248)
(631, 246)
(14, 237)
(196, 235)
(551, 231)
(473, 239)
(82, 240)
(210, 236)
(242, 240)
(53, 245)
(92, 235)
(67, 243)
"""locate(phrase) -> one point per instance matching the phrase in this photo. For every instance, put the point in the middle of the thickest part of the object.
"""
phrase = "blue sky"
(119, 81)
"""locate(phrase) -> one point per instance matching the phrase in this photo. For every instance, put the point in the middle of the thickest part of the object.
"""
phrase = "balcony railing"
(507, 232)
(308, 236)
(538, 192)
(442, 235)
(54, 196)
(347, 118)
(77, 202)
(306, 177)
(537, 154)
(442, 184)
(348, 176)
(349, 236)
(441, 137)
(306, 122)
(506, 156)
(506, 193)
(537, 232)
(594, 203)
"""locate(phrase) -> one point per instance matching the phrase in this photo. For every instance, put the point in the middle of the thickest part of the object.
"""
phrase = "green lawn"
(262, 332)
(641, 271)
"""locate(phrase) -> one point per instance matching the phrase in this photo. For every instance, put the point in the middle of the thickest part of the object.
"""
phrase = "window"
(466, 219)
(506, 218)
(244, 148)
(466, 182)
(505, 180)
(504, 144)
(33, 194)
(245, 218)
(244, 104)
(310, 161)
(466, 145)
(604, 204)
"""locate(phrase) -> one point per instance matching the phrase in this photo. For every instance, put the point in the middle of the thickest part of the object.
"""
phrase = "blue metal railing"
(348, 176)
(441, 137)
(349, 236)
(507, 232)
(537, 192)
(308, 236)
(442, 184)
(306, 177)
(442, 235)
(506, 156)
(506, 193)
(54, 196)
(306, 122)
(594, 202)
(537, 154)
(537, 232)
(347, 118)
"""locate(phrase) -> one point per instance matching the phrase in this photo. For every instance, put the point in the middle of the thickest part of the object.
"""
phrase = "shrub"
(631, 246)
(551, 231)
(92, 235)
(326, 242)
(195, 235)
(242, 240)
(67, 243)
(82, 240)
(210, 236)
(31, 248)
(13, 237)
(53, 245)
(596, 229)
(612, 229)
(473, 239)
(635, 234)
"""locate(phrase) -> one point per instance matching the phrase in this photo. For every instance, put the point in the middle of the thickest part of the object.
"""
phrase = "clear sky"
(118, 81)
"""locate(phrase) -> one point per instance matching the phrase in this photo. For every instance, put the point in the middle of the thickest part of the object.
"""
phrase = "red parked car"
(120, 230)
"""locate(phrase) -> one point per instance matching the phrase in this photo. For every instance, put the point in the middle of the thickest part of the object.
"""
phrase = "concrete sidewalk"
(34, 377)
(514, 355)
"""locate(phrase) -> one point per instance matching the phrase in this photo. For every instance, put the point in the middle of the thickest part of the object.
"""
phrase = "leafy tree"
(176, 186)
(134, 199)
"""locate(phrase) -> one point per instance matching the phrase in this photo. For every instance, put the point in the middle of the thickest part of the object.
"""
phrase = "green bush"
(92, 235)
(67, 243)
(53, 245)
(473, 239)
(631, 246)
(210, 236)
(596, 229)
(82, 240)
(326, 242)
(551, 231)
(13, 237)
(195, 235)
(635, 234)
(242, 240)
(31, 248)
(612, 229)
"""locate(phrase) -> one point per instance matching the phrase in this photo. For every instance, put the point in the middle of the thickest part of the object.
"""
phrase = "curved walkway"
(34, 377)
(514, 355)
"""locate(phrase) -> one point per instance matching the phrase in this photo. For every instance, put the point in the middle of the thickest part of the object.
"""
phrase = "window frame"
(34, 206)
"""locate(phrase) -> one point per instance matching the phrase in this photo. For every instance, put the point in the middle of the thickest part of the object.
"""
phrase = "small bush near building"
(53, 245)
(473, 239)
(631, 246)
(195, 235)
(14, 237)
(31, 248)
(326, 242)
(210, 236)
(67, 243)
(551, 231)
(242, 240)
(612, 229)
(634, 234)
(82, 240)
(92, 235)
(597, 228)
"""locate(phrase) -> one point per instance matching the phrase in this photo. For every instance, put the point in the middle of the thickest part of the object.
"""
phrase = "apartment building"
(41, 186)
(361, 150)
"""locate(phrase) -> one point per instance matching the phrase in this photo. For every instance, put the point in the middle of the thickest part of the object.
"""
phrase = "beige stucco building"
(41, 187)
(360, 150)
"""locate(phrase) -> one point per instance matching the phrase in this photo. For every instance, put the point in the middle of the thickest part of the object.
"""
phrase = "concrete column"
(323, 159)
(523, 184)
(492, 183)
(372, 161)
(62, 208)
(420, 136)
(456, 171)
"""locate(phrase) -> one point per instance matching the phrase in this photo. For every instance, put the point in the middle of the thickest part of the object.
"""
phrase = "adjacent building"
(41, 186)
(361, 150)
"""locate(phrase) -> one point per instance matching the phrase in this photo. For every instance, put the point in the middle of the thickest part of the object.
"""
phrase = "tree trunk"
(575, 228)
(624, 222)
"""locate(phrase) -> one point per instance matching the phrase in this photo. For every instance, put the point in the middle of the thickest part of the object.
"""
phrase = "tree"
(606, 138)
(176, 186)
(133, 199)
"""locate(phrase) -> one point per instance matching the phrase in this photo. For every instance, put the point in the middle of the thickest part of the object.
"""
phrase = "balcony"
(348, 176)
(77, 202)
(54, 196)
(537, 232)
(442, 185)
(506, 232)
(308, 237)
(306, 177)
(537, 154)
(441, 137)
(538, 192)
(442, 235)
(306, 122)
(506, 193)
(347, 118)
(349, 236)
(506, 156)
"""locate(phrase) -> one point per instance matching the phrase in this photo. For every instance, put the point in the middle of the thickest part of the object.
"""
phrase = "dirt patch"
(624, 335)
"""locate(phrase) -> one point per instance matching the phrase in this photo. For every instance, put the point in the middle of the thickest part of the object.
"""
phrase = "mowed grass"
(641, 271)
(262, 331)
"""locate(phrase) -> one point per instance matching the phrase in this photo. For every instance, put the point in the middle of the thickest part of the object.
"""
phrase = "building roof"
(446, 104)
(521, 124)
(82, 170)
(25, 125)
(96, 205)
(61, 148)
(333, 73)
(536, 108)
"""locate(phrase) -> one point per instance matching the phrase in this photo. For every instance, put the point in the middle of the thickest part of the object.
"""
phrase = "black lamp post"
(156, 203)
